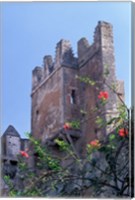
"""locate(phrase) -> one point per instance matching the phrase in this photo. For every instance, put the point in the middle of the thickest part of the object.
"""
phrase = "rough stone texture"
(12, 144)
(37, 76)
(46, 105)
(57, 96)
(48, 65)
(24, 144)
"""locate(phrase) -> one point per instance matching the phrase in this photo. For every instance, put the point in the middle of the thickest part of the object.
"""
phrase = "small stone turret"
(11, 142)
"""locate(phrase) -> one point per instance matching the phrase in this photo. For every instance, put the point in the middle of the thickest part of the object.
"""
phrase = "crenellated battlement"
(64, 54)
(64, 57)
(48, 65)
(37, 76)
(83, 46)
(58, 96)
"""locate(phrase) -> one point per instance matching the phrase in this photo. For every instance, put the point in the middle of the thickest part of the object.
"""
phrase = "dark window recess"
(39, 78)
(73, 97)
(50, 69)
(13, 162)
(37, 112)
(83, 114)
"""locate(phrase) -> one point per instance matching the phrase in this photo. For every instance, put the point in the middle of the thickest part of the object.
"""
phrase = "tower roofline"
(11, 131)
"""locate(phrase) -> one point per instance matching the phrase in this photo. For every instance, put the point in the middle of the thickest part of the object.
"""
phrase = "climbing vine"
(102, 172)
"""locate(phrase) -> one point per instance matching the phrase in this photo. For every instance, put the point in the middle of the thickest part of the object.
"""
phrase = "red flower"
(95, 143)
(123, 132)
(24, 154)
(66, 126)
(103, 95)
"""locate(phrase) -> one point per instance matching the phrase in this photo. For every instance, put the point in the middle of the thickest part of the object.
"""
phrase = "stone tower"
(58, 96)
(11, 143)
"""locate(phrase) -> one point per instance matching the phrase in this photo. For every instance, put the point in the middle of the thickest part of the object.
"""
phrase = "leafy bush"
(103, 172)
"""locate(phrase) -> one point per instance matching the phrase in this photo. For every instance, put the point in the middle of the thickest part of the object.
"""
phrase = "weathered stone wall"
(108, 61)
(71, 94)
(94, 60)
(11, 142)
(47, 106)
(13, 145)
(57, 96)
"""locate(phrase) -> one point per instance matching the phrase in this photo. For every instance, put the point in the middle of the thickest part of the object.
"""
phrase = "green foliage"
(75, 124)
(100, 121)
(86, 80)
(52, 163)
(62, 144)
(112, 137)
(123, 112)
(89, 149)
(22, 165)
(103, 101)
(27, 134)
(7, 179)
(111, 121)
(100, 170)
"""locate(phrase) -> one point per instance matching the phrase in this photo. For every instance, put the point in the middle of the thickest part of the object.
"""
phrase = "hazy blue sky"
(31, 30)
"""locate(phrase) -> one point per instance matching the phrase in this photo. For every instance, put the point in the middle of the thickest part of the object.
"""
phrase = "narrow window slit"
(73, 97)
(37, 112)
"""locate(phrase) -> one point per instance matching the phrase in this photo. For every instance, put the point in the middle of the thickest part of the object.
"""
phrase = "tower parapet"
(83, 46)
(64, 54)
(64, 57)
(37, 76)
(48, 65)
(104, 36)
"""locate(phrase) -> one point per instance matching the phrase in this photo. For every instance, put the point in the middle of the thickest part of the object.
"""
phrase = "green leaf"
(112, 137)
(111, 121)
(27, 134)
(62, 144)
(6, 178)
(99, 121)
(86, 80)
